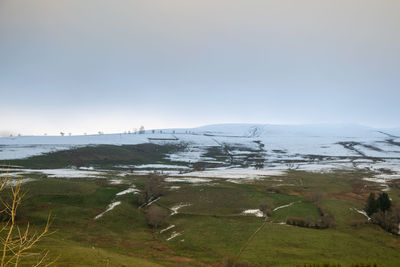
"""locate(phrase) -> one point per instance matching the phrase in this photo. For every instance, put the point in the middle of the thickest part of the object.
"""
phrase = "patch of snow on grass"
(236, 173)
(168, 228)
(255, 212)
(151, 202)
(284, 206)
(235, 181)
(382, 178)
(174, 234)
(131, 189)
(64, 173)
(162, 172)
(86, 168)
(161, 166)
(277, 185)
(14, 182)
(123, 174)
(186, 180)
(324, 167)
(116, 181)
(109, 207)
(70, 173)
(388, 176)
(175, 208)
(376, 180)
(361, 212)
(193, 155)
(14, 174)
(175, 187)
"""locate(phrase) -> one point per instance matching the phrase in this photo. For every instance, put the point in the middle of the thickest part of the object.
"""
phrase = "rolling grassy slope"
(213, 227)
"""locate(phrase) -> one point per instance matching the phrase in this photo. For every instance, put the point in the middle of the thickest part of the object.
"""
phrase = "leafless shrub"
(265, 208)
(316, 196)
(18, 243)
(156, 216)
(154, 188)
(327, 221)
(388, 220)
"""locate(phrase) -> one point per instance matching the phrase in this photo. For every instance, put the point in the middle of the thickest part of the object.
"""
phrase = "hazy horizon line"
(7, 133)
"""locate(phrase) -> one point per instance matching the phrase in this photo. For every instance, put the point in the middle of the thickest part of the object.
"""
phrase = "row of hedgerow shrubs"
(339, 265)
(383, 213)
(312, 222)
(234, 262)
(325, 221)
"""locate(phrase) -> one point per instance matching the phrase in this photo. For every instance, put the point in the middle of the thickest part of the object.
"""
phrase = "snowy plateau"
(315, 148)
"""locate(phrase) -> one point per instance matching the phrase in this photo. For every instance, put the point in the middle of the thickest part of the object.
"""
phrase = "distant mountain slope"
(293, 141)
(230, 130)
(255, 130)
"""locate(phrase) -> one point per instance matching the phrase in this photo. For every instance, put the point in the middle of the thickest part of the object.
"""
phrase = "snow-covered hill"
(273, 142)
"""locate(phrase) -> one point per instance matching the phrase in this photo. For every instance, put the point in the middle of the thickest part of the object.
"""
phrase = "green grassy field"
(213, 227)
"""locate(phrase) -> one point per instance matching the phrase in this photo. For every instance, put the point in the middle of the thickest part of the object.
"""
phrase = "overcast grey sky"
(88, 65)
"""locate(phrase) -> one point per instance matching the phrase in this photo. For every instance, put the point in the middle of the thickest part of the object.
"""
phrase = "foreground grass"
(212, 227)
(72, 253)
(283, 245)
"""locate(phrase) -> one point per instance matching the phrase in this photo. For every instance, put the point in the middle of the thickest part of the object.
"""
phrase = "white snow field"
(60, 173)
(316, 148)
(230, 174)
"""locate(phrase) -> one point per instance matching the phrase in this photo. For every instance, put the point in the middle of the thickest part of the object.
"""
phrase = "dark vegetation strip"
(103, 155)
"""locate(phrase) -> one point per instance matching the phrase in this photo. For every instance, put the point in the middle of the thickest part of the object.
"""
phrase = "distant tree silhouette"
(259, 165)
(381, 204)
(153, 189)
(316, 196)
(265, 208)
(384, 202)
(156, 216)
(372, 205)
